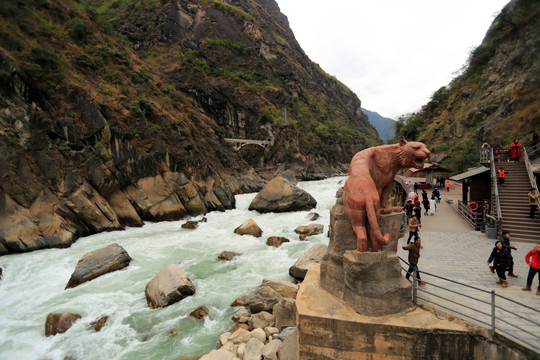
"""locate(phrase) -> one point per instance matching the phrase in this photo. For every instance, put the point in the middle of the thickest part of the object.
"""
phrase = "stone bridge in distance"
(237, 144)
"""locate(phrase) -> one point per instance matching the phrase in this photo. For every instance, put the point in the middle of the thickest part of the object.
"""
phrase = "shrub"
(46, 59)
(86, 61)
(64, 149)
(78, 31)
(145, 105)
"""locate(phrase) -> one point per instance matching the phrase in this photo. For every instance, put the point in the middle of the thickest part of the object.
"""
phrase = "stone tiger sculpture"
(367, 190)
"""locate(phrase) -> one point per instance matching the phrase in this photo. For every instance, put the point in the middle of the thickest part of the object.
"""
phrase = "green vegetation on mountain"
(117, 112)
(495, 99)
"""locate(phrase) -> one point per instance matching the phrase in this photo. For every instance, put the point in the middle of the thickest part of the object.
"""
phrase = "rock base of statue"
(329, 328)
(370, 282)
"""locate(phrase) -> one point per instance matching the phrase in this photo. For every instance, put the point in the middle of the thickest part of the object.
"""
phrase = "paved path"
(452, 249)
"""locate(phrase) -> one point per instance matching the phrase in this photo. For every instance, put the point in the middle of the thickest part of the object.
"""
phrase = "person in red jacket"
(516, 150)
(533, 259)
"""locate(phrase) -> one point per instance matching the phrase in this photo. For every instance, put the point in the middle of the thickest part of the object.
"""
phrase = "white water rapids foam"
(32, 284)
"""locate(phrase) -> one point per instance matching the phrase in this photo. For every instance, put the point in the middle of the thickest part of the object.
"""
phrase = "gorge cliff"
(113, 113)
(495, 99)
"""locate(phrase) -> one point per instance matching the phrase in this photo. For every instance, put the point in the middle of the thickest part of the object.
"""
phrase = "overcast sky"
(394, 54)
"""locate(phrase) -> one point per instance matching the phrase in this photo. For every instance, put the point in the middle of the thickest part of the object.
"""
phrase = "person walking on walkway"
(408, 208)
(500, 257)
(447, 185)
(505, 239)
(533, 202)
(417, 210)
(413, 228)
(425, 202)
(437, 194)
(432, 205)
(533, 260)
(414, 256)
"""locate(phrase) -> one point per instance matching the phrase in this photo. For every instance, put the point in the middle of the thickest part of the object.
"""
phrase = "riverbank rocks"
(227, 255)
(97, 263)
(249, 227)
(262, 299)
(308, 230)
(169, 286)
(276, 241)
(59, 323)
(283, 287)
(280, 195)
(256, 336)
(313, 255)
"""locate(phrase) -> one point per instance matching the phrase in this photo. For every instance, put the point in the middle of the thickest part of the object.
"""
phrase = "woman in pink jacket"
(533, 259)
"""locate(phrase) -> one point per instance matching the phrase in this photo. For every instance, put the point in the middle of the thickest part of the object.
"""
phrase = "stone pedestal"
(373, 284)
(330, 328)
(370, 282)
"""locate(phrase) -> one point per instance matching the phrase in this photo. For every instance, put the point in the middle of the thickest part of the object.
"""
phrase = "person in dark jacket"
(408, 208)
(499, 256)
(505, 239)
(414, 256)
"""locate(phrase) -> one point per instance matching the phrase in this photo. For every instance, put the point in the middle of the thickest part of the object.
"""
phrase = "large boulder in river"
(308, 230)
(249, 227)
(169, 286)
(97, 263)
(280, 195)
(313, 255)
(59, 323)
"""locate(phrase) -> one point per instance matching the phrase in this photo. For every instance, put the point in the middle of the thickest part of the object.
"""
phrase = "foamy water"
(32, 284)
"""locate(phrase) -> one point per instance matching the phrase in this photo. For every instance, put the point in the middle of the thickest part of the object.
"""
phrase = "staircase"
(515, 203)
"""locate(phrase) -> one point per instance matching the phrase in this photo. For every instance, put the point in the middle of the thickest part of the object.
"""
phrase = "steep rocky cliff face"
(495, 99)
(116, 112)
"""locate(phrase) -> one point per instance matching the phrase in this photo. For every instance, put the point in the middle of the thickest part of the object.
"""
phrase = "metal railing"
(472, 217)
(532, 180)
(497, 214)
(498, 313)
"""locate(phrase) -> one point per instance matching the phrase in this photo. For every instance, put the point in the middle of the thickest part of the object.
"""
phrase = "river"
(32, 284)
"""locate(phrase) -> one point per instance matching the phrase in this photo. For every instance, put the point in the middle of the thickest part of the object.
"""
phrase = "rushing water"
(32, 285)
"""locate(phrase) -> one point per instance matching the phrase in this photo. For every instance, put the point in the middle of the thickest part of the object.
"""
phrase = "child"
(499, 256)
(533, 259)
(414, 255)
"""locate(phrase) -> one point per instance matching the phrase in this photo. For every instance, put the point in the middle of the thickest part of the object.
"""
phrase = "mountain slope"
(384, 125)
(116, 112)
(495, 99)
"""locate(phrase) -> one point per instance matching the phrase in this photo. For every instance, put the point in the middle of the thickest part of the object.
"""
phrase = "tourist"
(500, 257)
(533, 202)
(500, 176)
(505, 239)
(432, 205)
(414, 256)
(425, 202)
(417, 210)
(485, 153)
(516, 150)
(408, 208)
(424, 194)
(437, 194)
(447, 185)
(413, 228)
(533, 260)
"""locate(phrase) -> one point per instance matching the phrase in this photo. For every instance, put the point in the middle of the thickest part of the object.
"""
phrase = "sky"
(393, 54)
